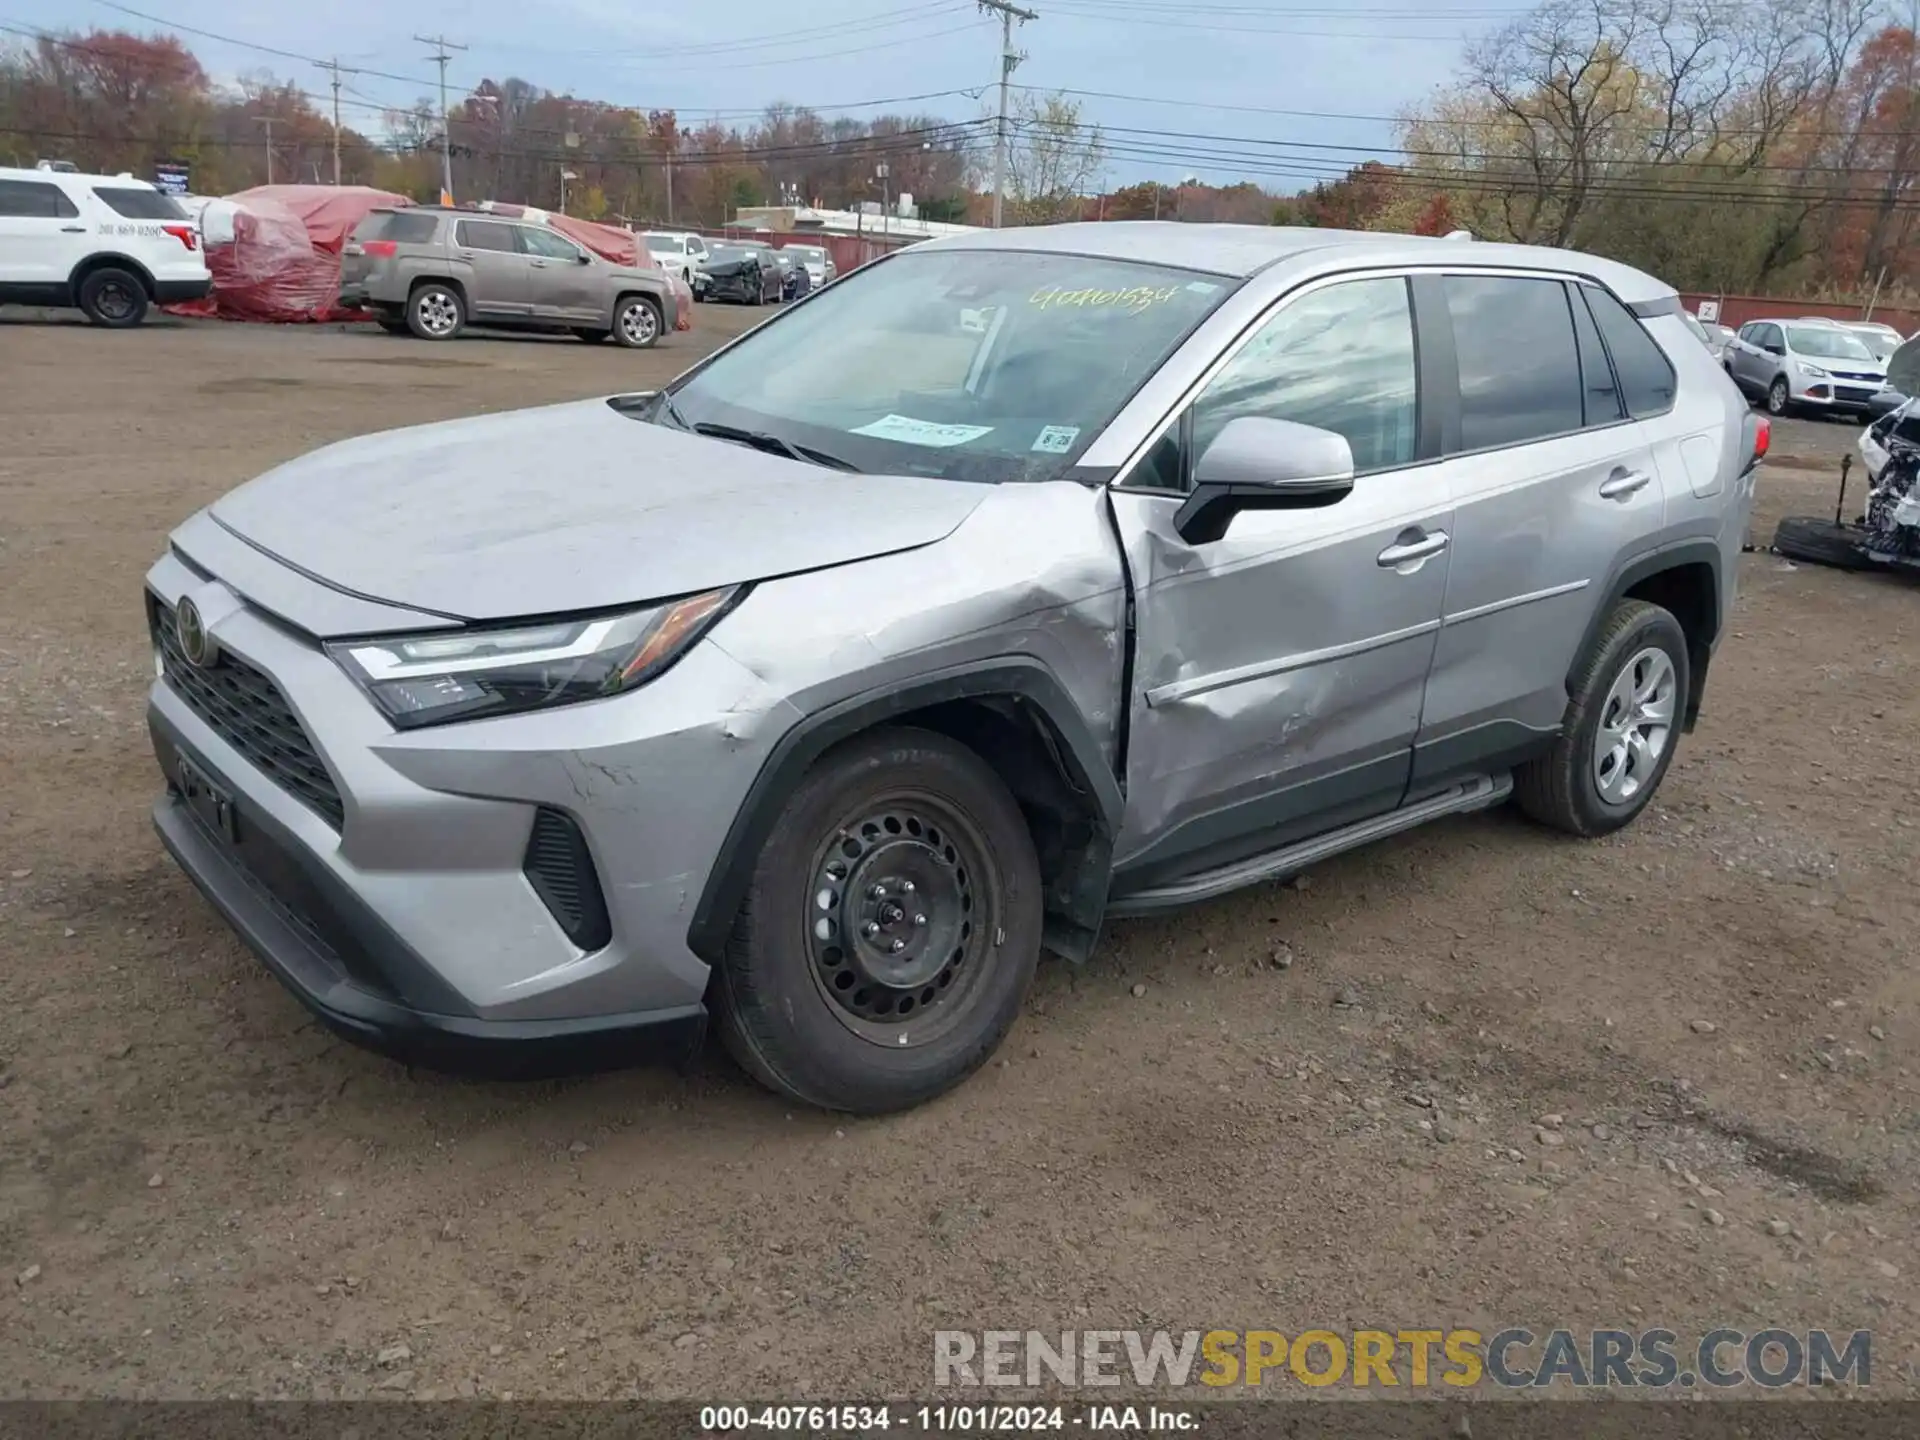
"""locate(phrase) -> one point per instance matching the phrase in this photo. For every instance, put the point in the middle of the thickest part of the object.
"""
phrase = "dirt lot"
(202, 1193)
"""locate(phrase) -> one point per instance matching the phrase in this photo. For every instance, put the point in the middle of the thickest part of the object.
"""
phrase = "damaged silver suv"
(1018, 580)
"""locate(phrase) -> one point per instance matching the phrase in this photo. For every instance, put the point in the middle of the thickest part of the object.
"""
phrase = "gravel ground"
(1474, 1076)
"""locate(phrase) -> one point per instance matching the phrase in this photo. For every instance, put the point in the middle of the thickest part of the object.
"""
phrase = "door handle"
(73, 229)
(1398, 554)
(1622, 483)
(536, 264)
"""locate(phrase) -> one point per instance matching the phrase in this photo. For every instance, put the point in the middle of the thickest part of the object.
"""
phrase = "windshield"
(984, 365)
(1825, 344)
(728, 252)
(1880, 342)
(665, 245)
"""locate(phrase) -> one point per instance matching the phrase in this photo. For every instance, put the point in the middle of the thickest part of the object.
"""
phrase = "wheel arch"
(1684, 579)
(638, 293)
(1020, 720)
(452, 282)
(108, 260)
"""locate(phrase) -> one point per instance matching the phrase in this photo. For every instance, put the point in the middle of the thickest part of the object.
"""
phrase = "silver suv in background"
(819, 263)
(1805, 364)
(432, 272)
(1016, 580)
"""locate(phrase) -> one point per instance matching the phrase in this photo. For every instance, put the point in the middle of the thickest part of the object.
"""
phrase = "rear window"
(1646, 377)
(137, 203)
(408, 227)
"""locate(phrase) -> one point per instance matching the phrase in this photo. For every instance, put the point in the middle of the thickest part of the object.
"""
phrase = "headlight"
(1812, 372)
(469, 674)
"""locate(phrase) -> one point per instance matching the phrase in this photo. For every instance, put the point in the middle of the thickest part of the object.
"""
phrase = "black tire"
(1779, 396)
(637, 322)
(1820, 542)
(808, 1014)
(113, 299)
(1560, 788)
(436, 299)
(592, 337)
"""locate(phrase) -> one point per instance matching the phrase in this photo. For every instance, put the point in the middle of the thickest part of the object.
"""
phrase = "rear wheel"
(114, 299)
(436, 311)
(890, 930)
(1623, 721)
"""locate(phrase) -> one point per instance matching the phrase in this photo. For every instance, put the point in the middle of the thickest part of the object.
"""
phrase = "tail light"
(1762, 439)
(381, 249)
(185, 234)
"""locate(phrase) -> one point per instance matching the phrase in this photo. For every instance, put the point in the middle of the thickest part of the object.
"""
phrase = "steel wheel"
(637, 325)
(1636, 723)
(896, 930)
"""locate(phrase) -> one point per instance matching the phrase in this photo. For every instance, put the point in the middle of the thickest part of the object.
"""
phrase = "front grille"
(560, 869)
(248, 711)
(1853, 393)
(1855, 375)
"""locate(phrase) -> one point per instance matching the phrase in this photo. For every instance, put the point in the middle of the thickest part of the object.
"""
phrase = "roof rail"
(1459, 235)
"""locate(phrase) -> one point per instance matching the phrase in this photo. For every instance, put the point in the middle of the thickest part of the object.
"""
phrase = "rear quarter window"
(34, 200)
(406, 227)
(1647, 381)
(134, 203)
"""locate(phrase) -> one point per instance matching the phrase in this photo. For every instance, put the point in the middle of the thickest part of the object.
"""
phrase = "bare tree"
(1054, 159)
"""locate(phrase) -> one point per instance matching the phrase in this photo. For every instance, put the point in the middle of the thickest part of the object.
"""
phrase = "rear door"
(42, 237)
(1553, 479)
(493, 268)
(563, 283)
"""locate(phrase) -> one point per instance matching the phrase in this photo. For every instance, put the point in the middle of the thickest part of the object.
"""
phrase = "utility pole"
(266, 123)
(334, 67)
(1009, 57)
(441, 45)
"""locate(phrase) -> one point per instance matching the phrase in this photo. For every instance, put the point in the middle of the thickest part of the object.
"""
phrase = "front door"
(495, 271)
(562, 283)
(1279, 670)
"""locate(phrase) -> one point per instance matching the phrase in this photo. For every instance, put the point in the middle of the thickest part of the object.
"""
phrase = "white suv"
(109, 245)
(679, 253)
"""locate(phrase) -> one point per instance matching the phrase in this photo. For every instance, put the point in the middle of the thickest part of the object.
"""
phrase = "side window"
(1340, 358)
(547, 245)
(1766, 336)
(1519, 367)
(34, 200)
(1647, 381)
(1601, 394)
(485, 235)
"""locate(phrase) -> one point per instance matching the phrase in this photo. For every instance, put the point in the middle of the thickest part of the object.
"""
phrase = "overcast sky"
(1227, 63)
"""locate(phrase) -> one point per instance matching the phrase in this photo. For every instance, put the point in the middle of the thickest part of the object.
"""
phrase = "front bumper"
(390, 879)
(251, 883)
(1847, 396)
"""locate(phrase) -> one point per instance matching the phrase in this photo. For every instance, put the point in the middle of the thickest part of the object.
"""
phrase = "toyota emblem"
(191, 631)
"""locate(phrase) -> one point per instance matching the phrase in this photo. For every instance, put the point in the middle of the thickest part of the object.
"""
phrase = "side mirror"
(1259, 464)
(584, 259)
(1774, 349)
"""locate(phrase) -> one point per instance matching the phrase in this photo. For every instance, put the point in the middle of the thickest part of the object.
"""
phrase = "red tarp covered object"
(283, 262)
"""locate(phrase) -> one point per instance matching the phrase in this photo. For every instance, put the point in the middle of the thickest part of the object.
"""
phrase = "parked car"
(747, 273)
(1795, 364)
(1714, 337)
(794, 280)
(678, 250)
(109, 246)
(818, 262)
(432, 272)
(822, 690)
(1882, 340)
(1899, 426)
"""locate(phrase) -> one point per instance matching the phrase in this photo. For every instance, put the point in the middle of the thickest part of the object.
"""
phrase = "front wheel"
(890, 930)
(636, 322)
(1622, 723)
(1778, 396)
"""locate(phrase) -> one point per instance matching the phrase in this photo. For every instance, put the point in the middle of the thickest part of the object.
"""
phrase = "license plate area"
(208, 801)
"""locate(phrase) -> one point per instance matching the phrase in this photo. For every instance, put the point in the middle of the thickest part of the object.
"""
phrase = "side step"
(1478, 793)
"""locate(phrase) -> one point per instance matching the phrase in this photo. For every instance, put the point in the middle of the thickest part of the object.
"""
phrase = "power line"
(243, 44)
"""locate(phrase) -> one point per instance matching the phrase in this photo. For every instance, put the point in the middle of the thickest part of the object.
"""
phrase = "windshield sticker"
(1129, 302)
(1203, 287)
(921, 432)
(1056, 439)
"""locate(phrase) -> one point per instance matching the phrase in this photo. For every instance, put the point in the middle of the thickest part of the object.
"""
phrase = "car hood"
(571, 507)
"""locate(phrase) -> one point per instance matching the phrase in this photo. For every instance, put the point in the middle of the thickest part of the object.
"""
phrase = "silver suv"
(1017, 580)
(433, 272)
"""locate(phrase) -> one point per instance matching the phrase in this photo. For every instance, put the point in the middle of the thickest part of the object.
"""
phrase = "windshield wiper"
(772, 444)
